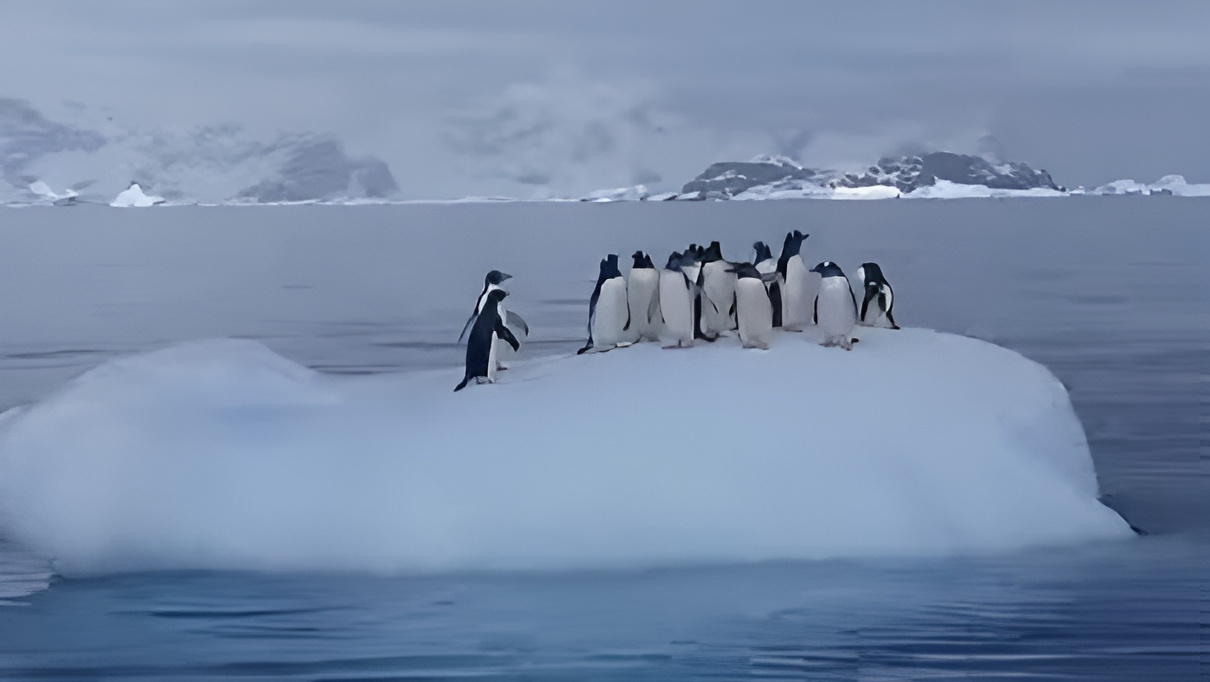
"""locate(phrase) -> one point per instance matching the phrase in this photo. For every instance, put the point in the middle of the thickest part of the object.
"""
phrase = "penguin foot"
(895, 326)
(500, 367)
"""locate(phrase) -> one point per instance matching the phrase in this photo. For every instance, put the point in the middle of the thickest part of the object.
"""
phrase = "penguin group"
(697, 295)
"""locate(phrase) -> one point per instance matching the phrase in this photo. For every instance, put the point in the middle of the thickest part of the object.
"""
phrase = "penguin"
(877, 291)
(691, 265)
(492, 281)
(718, 287)
(835, 306)
(481, 346)
(608, 313)
(796, 293)
(752, 306)
(766, 265)
(641, 291)
(675, 303)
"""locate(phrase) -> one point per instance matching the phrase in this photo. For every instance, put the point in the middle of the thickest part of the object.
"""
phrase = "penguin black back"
(487, 326)
(790, 248)
(763, 252)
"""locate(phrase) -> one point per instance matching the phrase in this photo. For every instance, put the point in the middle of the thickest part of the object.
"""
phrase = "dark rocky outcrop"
(726, 179)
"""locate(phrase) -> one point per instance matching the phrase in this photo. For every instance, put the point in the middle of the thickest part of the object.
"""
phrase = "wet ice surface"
(1106, 292)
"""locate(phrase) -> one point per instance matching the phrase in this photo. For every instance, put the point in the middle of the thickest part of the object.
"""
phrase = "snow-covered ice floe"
(1169, 184)
(944, 189)
(133, 197)
(221, 454)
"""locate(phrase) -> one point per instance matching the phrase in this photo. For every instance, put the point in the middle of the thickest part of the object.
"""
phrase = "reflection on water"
(1098, 290)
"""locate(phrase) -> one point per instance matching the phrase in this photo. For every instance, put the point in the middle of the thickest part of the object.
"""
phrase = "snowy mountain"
(781, 177)
(95, 159)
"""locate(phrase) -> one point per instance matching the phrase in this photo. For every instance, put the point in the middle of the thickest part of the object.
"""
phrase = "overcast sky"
(488, 97)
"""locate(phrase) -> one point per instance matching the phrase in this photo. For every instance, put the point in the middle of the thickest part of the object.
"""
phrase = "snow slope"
(134, 197)
(221, 454)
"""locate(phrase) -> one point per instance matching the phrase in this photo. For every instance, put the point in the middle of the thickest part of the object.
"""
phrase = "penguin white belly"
(676, 308)
(500, 347)
(837, 316)
(755, 313)
(610, 316)
(643, 286)
(796, 295)
(492, 354)
(719, 287)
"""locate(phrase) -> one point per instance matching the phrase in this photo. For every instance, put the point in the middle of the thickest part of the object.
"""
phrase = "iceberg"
(220, 454)
(133, 197)
(944, 189)
(633, 193)
(1169, 184)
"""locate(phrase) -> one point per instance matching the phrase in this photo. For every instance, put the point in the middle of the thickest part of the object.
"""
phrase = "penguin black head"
(712, 253)
(496, 277)
(763, 252)
(609, 267)
(640, 260)
(496, 295)
(871, 273)
(674, 261)
(745, 270)
(828, 269)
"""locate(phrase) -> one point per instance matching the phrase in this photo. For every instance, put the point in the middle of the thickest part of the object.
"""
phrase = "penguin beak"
(504, 276)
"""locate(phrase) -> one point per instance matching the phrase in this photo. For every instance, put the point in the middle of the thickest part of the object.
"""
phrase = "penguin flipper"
(653, 307)
(865, 306)
(467, 326)
(503, 332)
(514, 320)
(854, 299)
(815, 314)
(891, 319)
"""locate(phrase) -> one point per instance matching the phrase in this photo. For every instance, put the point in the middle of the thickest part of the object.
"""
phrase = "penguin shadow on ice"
(608, 310)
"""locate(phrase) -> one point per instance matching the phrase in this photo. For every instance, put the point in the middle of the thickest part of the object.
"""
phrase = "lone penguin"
(766, 265)
(752, 307)
(796, 293)
(481, 346)
(641, 291)
(608, 311)
(878, 292)
(494, 281)
(835, 306)
(676, 304)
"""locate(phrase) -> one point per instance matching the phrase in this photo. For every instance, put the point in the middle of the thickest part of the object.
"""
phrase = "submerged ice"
(222, 454)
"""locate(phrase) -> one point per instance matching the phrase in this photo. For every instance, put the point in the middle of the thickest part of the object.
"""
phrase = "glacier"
(221, 454)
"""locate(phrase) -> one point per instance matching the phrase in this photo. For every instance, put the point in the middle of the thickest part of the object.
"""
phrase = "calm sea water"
(1109, 292)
